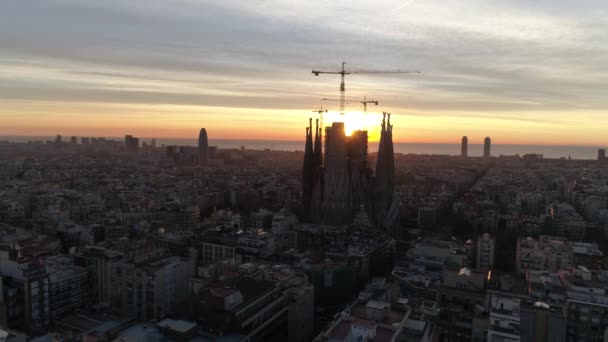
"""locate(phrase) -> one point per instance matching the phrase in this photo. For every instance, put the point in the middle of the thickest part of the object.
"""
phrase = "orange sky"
(178, 121)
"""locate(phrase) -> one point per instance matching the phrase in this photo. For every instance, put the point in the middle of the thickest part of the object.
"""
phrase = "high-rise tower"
(203, 148)
(386, 206)
(464, 146)
(336, 195)
(357, 169)
(487, 145)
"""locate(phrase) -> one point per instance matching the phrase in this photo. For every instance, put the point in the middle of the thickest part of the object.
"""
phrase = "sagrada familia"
(339, 187)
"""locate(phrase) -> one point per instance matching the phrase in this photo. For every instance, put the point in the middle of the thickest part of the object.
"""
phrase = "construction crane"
(343, 72)
(320, 112)
(364, 103)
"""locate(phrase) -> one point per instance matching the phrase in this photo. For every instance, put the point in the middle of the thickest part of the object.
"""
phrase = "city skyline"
(176, 171)
(526, 74)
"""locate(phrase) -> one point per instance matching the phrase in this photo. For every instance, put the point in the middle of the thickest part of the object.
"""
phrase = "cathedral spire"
(384, 182)
(317, 152)
(317, 175)
(384, 121)
(307, 171)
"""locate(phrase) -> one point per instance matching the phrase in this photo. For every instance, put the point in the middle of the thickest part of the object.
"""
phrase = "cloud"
(488, 59)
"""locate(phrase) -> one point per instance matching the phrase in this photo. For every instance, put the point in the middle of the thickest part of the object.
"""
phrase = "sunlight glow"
(354, 121)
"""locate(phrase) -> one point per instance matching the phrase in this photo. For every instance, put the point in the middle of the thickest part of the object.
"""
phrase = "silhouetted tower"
(307, 173)
(386, 206)
(464, 146)
(357, 169)
(601, 154)
(487, 145)
(317, 175)
(203, 148)
(131, 144)
(336, 195)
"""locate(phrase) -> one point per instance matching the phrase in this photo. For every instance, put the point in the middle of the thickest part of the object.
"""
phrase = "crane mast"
(342, 89)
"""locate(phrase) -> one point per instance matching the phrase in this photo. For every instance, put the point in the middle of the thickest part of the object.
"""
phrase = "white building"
(485, 252)
(213, 252)
(548, 253)
(504, 319)
(258, 244)
(586, 307)
(427, 215)
(68, 285)
(150, 290)
(283, 221)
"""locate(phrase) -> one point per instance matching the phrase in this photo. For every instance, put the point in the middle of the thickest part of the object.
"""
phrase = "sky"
(520, 71)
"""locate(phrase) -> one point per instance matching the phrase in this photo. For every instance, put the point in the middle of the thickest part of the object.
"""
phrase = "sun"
(354, 121)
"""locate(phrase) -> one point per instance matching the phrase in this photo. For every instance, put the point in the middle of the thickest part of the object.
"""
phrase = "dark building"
(171, 151)
(317, 175)
(74, 140)
(601, 154)
(487, 145)
(540, 322)
(307, 173)
(84, 141)
(336, 203)
(386, 206)
(131, 144)
(203, 148)
(58, 139)
(212, 152)
(358, 170)
(338, 185)
(464, 146)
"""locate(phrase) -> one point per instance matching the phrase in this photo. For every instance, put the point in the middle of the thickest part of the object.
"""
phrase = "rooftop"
(176, 325)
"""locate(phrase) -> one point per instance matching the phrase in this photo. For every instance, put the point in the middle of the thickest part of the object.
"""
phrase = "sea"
(548, 151)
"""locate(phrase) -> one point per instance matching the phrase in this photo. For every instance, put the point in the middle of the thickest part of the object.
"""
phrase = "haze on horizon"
(522, 72)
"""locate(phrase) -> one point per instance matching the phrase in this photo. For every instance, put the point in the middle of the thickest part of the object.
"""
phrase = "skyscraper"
(203, 148)
(487, 145)
(601, 154)
(131, 144)
(464, 146)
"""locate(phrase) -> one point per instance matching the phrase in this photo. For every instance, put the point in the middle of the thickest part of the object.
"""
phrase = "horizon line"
(301, 140)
